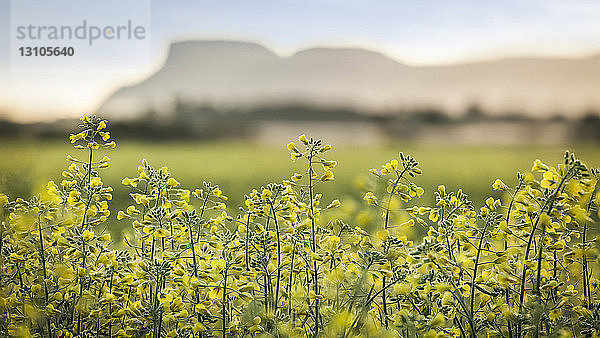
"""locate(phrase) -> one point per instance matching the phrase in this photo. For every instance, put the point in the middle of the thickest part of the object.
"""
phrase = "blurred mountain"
(232, 74)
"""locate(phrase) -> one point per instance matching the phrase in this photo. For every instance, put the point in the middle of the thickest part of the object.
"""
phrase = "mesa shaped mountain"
(242, 74)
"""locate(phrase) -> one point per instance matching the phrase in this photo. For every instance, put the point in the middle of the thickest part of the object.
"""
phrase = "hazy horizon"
(418, 34)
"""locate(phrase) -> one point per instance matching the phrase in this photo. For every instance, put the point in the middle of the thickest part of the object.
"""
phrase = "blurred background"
(475, 90)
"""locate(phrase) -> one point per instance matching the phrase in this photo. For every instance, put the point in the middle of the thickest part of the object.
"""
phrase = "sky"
(425, 32)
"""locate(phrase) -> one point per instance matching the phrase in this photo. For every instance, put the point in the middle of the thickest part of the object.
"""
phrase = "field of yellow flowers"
(282, 265)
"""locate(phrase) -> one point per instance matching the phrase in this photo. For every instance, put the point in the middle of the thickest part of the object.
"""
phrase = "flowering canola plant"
(525, 265)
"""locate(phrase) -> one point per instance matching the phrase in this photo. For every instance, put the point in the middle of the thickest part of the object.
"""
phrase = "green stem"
(43, 263)
(385, 226)
(246, 243)
(278, 280)
(472, 300)
(291, 280)
(507, 292)
(586, 283)
(224, 302)
(313, 242)
(83, 223)
(202, 213)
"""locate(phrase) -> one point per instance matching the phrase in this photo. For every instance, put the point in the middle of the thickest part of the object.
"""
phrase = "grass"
(238, 167)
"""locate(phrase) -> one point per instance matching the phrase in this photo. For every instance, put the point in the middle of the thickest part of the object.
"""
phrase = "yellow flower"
(303, 139)
(334, 204)
(484, 211)
(438, 320)
(76, 137)
(88, 235)
(538, 166)
(499, 185)
(95, 182)
(265, 194)
(104, 238)
(256, 327)
(198, 327)
(327, 176)
(558, 246)
(434, 216)
(171, 183)
(101, 125)
(328, 164)
(549, 181)
(370, 198)
(121, 215)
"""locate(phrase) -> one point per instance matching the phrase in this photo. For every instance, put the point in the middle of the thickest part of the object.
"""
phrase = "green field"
(238, 167)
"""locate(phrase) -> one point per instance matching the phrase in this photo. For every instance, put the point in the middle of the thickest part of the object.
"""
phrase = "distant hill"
(241, 74)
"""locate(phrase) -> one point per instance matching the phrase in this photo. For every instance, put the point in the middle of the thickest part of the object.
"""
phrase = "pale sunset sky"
(426, 32)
